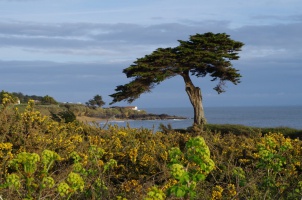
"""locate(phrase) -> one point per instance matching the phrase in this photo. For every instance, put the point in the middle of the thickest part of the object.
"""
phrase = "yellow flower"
(231, 190)
(217, 192)
(122, 133)
(132, 185)
(169, 184)
(146, 159)
(76, 138)
(164, 155)
(133, 154)
(6, 146)
(100, 163)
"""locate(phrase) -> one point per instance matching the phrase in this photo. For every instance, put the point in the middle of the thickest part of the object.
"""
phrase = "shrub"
(45, 159)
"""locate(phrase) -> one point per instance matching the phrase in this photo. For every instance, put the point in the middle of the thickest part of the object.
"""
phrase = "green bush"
(45, 159)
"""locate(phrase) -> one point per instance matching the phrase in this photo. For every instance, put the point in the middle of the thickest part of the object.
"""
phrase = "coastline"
(86, 119)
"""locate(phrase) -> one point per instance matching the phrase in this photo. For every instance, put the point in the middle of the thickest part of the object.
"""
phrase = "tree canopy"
(203, 54)
(97, 101)
(48, 100)
(25, 98)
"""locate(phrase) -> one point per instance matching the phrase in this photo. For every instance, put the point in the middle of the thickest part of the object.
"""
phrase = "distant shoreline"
(87, 119)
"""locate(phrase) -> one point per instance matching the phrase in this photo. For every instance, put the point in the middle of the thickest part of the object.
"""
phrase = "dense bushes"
(247, 130)
(83, 110)
(45, 159)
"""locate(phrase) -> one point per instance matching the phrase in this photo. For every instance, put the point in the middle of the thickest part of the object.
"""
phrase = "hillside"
(45, 159)
(86, 114)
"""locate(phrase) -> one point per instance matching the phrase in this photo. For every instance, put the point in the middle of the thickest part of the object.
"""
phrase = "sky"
(73, 50)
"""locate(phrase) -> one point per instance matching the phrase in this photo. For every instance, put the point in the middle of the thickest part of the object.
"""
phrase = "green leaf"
(199, 177)
(180, 192)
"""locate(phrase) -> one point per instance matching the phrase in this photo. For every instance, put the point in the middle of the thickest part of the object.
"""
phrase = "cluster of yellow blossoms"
(42, 158)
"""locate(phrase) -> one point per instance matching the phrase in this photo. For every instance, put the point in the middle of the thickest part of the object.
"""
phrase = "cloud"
(94, 34)
(284, 35)
(78, 60)
(110, 41)
(108, 38)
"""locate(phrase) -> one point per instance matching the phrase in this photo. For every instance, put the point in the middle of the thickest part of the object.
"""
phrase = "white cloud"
(252, 52)
(78, 49)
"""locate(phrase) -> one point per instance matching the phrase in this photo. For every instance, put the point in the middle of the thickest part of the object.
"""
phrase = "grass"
(248, 130)
(237, 129)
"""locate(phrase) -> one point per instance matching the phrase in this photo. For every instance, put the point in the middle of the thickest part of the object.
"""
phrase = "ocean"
(262, 116)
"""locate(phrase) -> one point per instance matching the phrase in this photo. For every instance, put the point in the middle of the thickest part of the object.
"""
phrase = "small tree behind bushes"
(64, 116)
(48, 100)
(45, 159)
(24, 98)
(96, 102)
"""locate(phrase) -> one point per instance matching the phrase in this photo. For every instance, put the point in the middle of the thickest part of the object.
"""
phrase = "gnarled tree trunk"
(195, 97)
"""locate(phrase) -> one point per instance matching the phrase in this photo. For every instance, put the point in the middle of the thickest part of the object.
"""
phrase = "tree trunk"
(195, 97)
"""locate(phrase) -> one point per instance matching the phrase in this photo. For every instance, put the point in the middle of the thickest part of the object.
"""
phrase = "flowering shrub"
(45, 159)
(191, 167)
(26, 167)
(281, 162)
(155, 194)
(74, 184)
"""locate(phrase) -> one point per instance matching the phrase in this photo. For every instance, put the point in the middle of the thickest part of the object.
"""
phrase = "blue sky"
(75, 49)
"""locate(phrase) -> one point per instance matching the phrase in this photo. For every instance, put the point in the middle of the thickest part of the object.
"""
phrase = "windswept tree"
(203, 54)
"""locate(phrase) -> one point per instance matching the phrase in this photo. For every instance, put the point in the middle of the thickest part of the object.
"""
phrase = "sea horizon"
(254, 116)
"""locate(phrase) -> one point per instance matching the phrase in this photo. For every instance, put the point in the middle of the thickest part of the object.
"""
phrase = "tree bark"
(195, 97)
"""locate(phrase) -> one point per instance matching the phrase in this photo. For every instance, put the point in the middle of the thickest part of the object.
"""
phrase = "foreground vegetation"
(41, 158)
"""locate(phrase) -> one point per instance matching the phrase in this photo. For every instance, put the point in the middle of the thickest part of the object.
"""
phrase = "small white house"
(131, 107)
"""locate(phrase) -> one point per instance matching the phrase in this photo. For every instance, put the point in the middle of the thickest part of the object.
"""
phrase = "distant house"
(17, 101)
(127, 107)
(131, 107)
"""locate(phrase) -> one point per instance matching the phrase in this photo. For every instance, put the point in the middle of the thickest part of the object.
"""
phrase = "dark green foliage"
(165, 129)
(97, 101)
(203, 54)
(47, 100)
(232, 128)
(290, 132)
(68, 116)
(64, 116)
(25, 98)
(248, 130)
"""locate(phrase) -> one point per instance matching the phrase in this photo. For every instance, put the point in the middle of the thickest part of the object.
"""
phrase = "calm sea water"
(286, 116)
